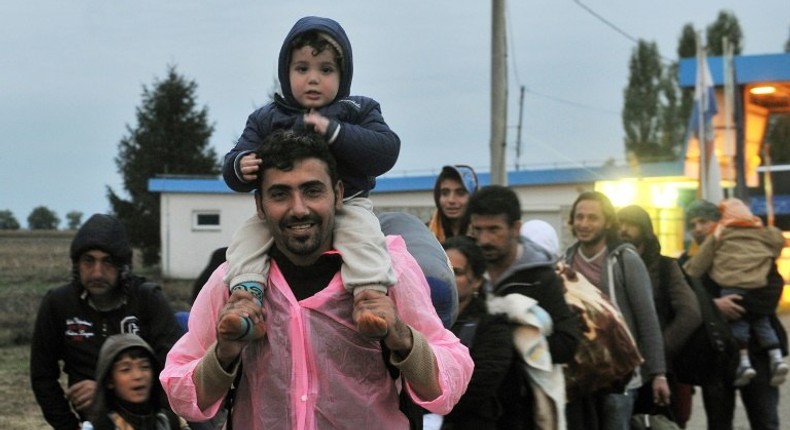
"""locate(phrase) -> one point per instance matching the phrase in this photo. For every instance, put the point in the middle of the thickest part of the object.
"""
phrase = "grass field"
(30, 264)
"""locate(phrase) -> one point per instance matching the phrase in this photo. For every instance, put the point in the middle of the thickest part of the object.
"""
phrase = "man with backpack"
(618, 271)
(759, 397)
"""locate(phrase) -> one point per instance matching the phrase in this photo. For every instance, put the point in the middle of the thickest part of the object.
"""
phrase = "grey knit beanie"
(702, 209)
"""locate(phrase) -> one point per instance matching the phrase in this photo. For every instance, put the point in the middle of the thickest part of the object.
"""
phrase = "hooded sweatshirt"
(362, 143)
(114, 412)
(533, 275)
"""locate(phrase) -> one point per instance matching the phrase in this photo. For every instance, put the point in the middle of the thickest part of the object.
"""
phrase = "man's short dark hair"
(283, 148)
(495, 200)
(702, 209)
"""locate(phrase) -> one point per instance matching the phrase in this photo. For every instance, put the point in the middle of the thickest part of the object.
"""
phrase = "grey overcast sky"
(72, 72)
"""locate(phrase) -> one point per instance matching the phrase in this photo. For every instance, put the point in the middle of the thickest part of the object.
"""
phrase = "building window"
(205, 220)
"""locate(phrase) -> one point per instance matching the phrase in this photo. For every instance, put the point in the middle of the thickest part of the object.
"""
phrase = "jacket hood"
(105, 233)
(114, 346)
(532, 256)
(461, 173)
(329, 27)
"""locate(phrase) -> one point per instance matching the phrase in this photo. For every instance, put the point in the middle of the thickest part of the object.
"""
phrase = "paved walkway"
(697, 421)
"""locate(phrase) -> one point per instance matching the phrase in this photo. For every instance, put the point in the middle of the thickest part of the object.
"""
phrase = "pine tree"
(172, 138)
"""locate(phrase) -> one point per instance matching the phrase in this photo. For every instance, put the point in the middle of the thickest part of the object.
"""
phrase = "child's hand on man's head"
(318, 122)
(249, 165)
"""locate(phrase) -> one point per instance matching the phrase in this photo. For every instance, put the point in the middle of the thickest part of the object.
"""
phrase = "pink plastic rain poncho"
(313, 370)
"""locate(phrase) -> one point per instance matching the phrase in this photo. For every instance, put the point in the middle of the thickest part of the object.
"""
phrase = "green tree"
(171, 137)
(43, 218)
(8, 220)
(676, 117)
(687, 48)
(726, 25)
(642, 119)
(74, 219)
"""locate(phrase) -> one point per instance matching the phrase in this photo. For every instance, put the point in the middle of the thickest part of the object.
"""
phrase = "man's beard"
(636, 241)
(492, 254)
(599, 236)
(302, 245)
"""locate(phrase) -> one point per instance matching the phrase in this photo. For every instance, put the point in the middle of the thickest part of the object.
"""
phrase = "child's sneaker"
(778, 373)
(744, 375)
(232, 327)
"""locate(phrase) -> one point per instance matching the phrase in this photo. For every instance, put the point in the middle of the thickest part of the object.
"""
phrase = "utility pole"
(498, 94)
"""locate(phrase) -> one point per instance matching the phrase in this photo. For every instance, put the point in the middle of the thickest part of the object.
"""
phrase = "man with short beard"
(618, 271)
(104, 298)
(311, 368)
(676, 305)
(518, 266)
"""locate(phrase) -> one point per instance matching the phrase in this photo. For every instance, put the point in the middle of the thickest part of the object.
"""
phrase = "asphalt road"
(697, 421)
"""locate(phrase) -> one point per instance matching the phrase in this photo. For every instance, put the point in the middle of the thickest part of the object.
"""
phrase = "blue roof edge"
(426, 182)
(748, 69)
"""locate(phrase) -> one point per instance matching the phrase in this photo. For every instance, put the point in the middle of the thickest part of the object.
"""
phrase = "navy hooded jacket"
(364, 148)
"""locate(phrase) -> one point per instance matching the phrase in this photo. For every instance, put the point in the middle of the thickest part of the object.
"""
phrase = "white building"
(200, 215)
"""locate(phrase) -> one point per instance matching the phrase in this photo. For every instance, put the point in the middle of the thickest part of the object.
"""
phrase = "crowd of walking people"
(313, 318)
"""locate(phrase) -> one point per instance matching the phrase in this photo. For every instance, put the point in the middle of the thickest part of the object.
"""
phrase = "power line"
(514, 64)
(616, 28)
(511, 42)
(606, 21)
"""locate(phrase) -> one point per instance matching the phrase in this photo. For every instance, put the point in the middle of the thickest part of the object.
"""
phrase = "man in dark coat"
(518, 266)
(760, 398)
(676, 305)
(104, 298)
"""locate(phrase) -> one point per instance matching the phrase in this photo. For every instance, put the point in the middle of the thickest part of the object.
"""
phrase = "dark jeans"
(601, 411)
(759, 398)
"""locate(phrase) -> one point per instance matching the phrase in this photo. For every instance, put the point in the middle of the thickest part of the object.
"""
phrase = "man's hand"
(81, 394)
(398, 337)
(240, 305)
(661, 390)
(729, 307)
(248, 166)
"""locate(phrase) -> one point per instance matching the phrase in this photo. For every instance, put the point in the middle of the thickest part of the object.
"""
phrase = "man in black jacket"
(517, 266)
(104, 298)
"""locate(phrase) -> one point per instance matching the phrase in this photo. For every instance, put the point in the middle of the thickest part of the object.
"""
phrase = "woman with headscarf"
(451, 192)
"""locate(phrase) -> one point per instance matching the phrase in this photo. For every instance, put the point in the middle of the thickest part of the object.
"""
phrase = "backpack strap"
(230, 397)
